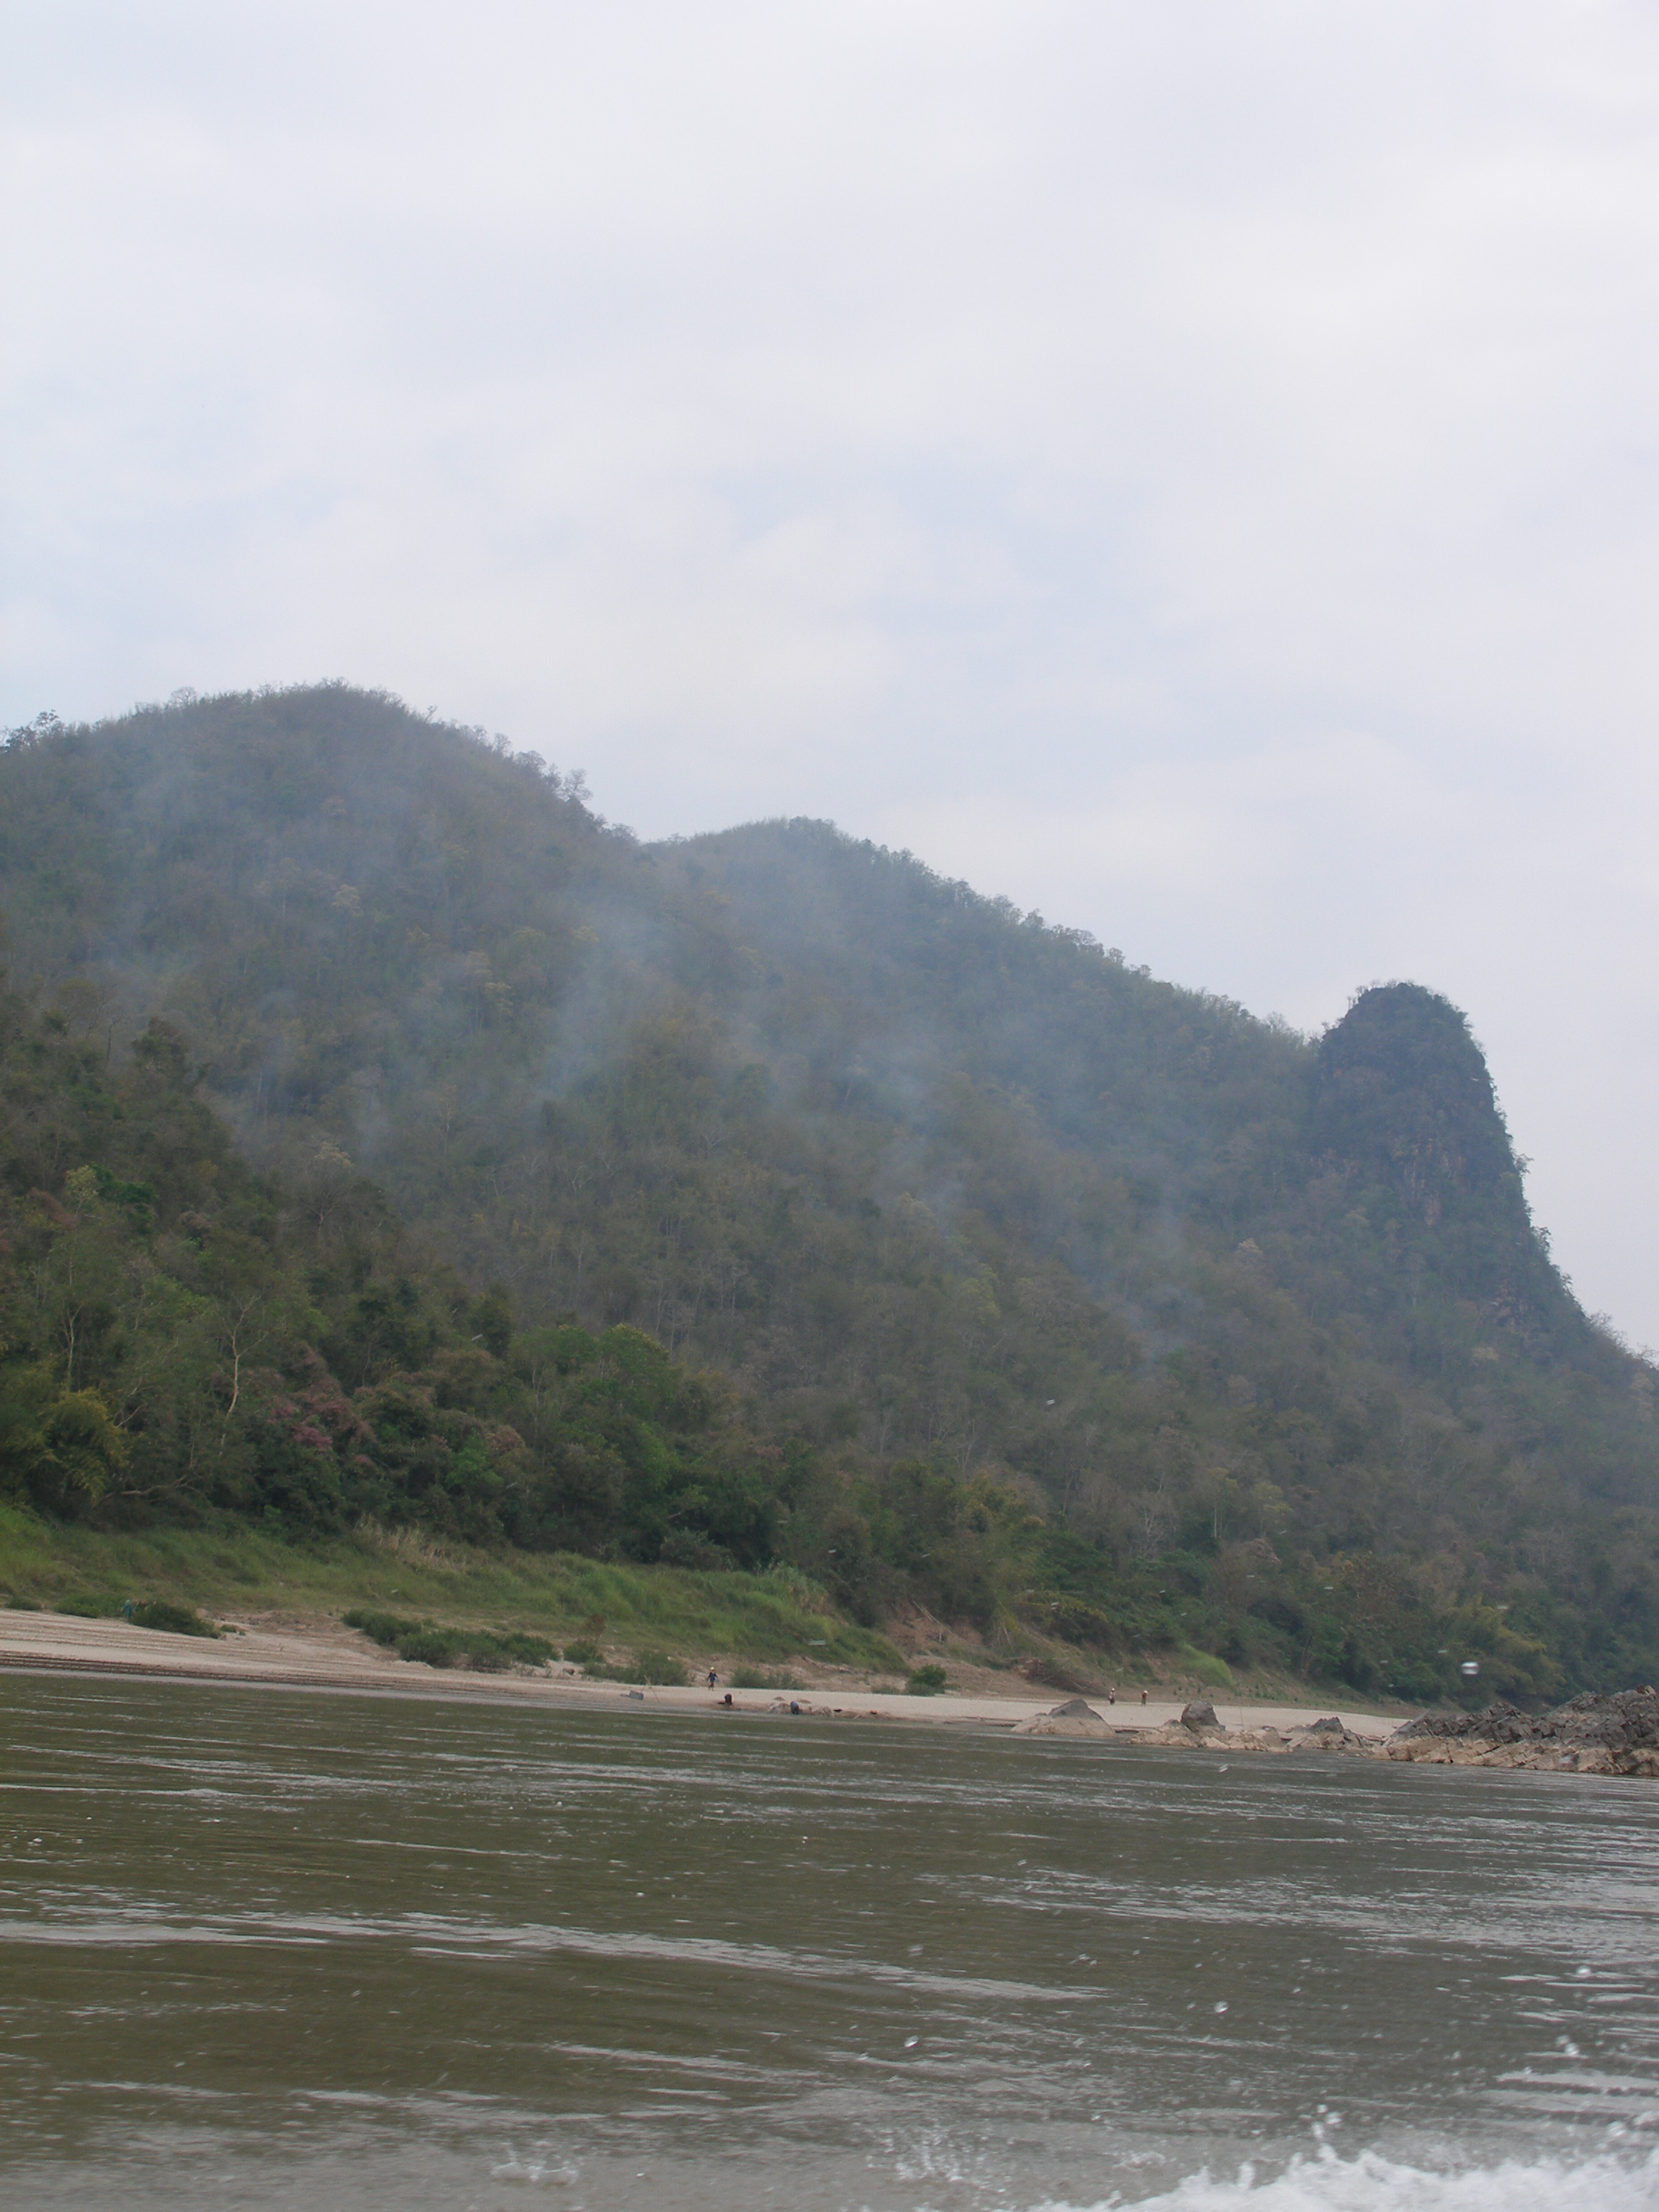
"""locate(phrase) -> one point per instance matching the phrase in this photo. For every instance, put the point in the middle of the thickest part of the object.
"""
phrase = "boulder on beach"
(1077, 1716)
(1331, 1725)
(1200, 1713)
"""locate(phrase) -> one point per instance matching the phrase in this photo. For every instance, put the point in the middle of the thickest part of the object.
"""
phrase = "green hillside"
(912, 1242)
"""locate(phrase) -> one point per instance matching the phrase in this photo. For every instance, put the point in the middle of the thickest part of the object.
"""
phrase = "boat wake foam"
(1373, 2184)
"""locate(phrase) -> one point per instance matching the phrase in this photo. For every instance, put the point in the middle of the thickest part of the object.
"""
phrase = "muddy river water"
(278, 1949)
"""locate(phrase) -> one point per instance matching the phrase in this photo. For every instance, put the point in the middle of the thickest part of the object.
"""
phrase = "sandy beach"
(325, 1657)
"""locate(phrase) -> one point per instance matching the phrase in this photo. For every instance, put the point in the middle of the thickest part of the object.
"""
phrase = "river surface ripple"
(289, 1951)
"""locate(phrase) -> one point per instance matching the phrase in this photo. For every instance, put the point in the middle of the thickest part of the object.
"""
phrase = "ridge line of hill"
(1063, 1301)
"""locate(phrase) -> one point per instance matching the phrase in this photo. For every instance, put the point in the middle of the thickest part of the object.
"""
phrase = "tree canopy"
(765, 1197)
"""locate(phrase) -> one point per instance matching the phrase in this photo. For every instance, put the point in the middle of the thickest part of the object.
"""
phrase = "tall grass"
(222, 1568)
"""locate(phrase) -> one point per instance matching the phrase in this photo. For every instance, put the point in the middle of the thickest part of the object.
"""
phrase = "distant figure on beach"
(1111, 1694)
(726, 1700)
(1143, 1697)
(711, 1678)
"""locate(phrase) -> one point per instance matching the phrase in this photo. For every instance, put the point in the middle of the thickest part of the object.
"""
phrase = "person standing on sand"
(1143, 1697)
(1111, 1694)
(711, 1678)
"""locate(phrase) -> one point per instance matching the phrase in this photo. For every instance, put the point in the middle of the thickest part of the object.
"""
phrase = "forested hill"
(936, 1185)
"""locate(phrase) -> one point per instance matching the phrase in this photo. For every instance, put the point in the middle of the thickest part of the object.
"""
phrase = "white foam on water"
(1371, 2182)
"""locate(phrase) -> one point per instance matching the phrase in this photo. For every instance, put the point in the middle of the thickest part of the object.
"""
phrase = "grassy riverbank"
(226, 1570)
(230, 1569)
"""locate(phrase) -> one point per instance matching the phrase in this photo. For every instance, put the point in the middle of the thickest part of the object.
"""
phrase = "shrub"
(523, 1649)
(178, 1620)
(685, 1549)
(582, 1653)
(756, 1678)
(488, 1651)
(650, 1667)
(143, 1612)
(1053, 1676)
(381, 1627)
(926, 1681)
(1069, 1618)
(1207, 1668)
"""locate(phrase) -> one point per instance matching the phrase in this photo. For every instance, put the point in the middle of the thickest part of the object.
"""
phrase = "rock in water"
(1200, 1713)
(1074, 1709)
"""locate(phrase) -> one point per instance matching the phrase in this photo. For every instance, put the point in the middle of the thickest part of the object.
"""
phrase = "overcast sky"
(1188, 466)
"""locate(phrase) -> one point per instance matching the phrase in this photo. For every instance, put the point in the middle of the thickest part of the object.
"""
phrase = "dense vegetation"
(769, 1202)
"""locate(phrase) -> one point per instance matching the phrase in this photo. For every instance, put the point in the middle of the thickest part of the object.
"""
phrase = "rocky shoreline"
(1596, 1733)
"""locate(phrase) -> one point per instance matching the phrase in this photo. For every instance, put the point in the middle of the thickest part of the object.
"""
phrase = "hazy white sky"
(1189, 465)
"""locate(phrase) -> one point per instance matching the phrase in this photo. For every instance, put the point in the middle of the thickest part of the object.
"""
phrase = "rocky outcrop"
(1622, 1720)
(1331, 1733)
(1596, 1733)
(1498, 1723)
(1199, 1725)
(1627, 1720)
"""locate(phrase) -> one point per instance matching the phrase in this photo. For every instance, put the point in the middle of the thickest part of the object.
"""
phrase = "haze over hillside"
(937, 1185)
